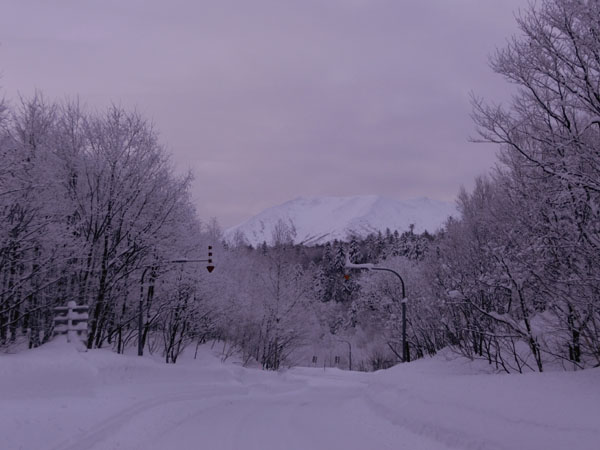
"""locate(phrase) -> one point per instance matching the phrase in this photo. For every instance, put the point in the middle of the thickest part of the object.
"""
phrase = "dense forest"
(91, 210)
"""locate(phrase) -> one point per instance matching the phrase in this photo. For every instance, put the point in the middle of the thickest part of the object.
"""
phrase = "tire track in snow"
(466, 427)
(427, 428)
(99, 432)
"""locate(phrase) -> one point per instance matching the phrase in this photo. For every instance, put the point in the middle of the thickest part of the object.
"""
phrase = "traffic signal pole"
(210, 267)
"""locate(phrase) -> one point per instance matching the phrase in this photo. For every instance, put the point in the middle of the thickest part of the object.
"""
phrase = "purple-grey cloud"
(268, 100)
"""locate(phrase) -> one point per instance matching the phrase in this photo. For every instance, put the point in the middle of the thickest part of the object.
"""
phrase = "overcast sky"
(268, 100)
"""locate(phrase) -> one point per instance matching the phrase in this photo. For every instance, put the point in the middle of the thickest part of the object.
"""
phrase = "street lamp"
(210, 267)
(369, 266)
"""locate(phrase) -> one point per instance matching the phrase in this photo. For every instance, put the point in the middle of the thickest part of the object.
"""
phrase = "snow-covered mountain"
(321, 219)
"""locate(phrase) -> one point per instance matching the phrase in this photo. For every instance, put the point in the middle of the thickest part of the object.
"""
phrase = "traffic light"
(210, 266)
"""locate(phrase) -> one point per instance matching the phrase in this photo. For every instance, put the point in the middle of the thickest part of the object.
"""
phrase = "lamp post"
(210, 267)
(369, 266)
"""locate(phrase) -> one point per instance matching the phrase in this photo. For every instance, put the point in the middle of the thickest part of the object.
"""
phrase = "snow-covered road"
(283, 412)
(55, 398)
(306, 419)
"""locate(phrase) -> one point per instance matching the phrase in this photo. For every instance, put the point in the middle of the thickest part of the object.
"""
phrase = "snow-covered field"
(57, 398)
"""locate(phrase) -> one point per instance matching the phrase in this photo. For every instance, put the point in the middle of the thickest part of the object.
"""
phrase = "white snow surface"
(57, 398)
(321, 219)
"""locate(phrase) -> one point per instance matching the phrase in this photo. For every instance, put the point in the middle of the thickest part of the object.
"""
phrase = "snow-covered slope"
(321, 219)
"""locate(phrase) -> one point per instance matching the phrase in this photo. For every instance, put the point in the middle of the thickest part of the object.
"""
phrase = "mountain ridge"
(324, 218)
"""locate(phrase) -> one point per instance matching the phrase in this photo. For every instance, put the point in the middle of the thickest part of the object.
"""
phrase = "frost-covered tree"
(32, 244)
(87, 202)
(550, 135)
